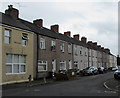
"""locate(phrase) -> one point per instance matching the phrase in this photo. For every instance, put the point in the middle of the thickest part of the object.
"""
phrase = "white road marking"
(110, 92)
(109, 88)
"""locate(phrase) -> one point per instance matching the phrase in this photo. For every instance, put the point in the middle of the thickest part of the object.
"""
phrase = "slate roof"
(25, 25)
(8, 20)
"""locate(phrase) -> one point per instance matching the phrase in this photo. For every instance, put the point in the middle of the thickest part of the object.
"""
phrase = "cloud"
(97, 21)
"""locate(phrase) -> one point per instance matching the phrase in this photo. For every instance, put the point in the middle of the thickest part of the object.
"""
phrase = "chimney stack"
(68, 33)
(55, 28)
(107, 50)
(12, 12)
(84, 39)
(76, 36)
(102, 48)
(38, 22)
(90, 42)
(99, 46)
(95, 44)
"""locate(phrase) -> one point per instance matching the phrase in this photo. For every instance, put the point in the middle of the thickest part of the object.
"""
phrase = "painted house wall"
(90, 57)
(48, 55)
(15, 47)
(115, 61)
(77, 56)
(85, 57)
(81, 57)
(63, 56)
(110, 60)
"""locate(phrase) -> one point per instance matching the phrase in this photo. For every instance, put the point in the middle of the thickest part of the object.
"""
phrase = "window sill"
(42, 49)
(15, 73)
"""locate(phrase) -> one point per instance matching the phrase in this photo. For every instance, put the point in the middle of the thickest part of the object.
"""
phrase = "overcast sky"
(98, 21)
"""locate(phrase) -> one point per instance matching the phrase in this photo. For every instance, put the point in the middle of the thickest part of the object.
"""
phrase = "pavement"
(112, 84)
(27, 84)
(33, 83)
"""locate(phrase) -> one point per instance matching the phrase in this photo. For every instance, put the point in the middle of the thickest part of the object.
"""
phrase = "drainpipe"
(72, 56)
(37, 56)
(88, 56)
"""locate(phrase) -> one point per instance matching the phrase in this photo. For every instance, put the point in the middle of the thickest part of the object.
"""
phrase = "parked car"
(105, 69)
(101, 70)
(95, 70)
(89, 71)
(117, 73)
(115, 68)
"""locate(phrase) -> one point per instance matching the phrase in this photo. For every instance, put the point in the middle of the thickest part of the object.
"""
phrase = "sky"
(95, 19)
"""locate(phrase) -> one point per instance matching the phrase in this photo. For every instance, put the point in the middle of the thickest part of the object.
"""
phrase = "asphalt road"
(84, 86)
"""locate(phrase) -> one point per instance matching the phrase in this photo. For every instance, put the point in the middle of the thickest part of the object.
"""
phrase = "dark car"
(117, 73)
(101, 70)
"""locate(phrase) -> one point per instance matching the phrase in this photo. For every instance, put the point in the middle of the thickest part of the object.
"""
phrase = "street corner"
(112, 85)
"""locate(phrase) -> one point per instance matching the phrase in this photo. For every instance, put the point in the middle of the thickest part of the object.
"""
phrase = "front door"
(53, 65)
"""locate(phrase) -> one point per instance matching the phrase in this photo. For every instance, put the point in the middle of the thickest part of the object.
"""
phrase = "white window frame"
(53, 43)
(63, 62)
(13, 64)
(62, 47)
(76, 63)
(7, 36)
(42, 43)
(24, 42)
(41, 63)
(24, 39)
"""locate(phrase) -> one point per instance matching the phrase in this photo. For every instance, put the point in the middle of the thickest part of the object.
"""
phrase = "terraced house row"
(31, 49)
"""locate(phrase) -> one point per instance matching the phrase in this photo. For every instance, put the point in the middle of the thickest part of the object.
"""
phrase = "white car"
(115, 68)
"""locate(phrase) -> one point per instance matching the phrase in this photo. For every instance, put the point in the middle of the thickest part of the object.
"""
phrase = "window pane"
(62, 65)
(9, 58)
(7, 33)
(9, 68)
(7, 40)
(22, 68)
(16, 68)
(24, 42)
(42, 68)
(22, 59)
(16, 59)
